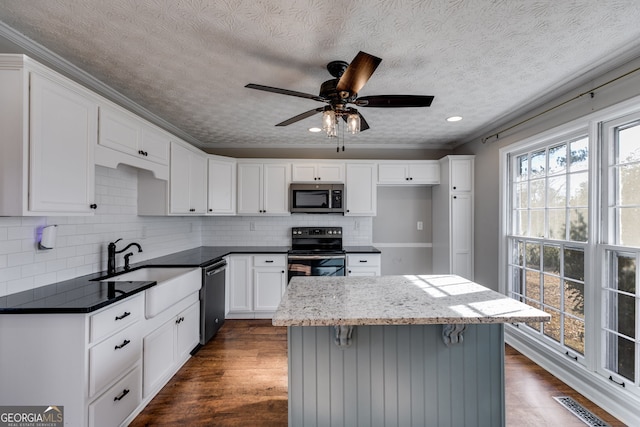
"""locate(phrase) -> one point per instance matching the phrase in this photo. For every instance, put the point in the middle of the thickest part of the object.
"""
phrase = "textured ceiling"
(188, 61)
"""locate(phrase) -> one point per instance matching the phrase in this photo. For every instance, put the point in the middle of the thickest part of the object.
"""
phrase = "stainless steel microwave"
(316, 198)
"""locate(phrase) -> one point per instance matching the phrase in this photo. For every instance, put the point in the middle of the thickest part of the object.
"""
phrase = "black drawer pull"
(93, 206)
(126, 313)
(179, 320)
(125, 342)
(268, 261)
(122, 395)
(363, 260)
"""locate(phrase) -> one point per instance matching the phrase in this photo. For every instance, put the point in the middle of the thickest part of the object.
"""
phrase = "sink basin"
(147, 274)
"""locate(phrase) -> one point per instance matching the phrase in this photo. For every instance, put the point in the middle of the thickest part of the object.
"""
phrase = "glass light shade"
(329, 121)
(353, 123)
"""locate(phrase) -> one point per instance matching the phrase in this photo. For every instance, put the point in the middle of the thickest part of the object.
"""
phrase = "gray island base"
(397, 350)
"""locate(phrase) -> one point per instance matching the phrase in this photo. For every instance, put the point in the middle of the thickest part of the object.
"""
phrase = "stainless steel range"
(316, 251)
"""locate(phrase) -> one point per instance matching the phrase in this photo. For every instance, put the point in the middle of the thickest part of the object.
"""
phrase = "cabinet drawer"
(269, 260)
(112, 357)
(116, 317)
(117, 403)
(363, 260)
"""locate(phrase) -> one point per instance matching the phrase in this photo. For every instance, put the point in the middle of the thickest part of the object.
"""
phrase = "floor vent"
(580, 411)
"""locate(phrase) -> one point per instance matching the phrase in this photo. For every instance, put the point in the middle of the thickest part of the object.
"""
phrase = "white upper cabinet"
(126, 138)
(314, 172)
(424, 172)
(188, 181)
(222, 186)
(361, 197)
(49, 131)
(263, 188)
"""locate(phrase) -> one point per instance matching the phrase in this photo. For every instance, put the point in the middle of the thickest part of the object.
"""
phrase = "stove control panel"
(316, 231)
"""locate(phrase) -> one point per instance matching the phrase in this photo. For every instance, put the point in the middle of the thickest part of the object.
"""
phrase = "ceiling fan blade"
(301, 116)
(286, 92)
(358, 72)
(394, 101)
(363, 123)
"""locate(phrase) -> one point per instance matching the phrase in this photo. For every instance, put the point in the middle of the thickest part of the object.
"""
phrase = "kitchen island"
(397, 350)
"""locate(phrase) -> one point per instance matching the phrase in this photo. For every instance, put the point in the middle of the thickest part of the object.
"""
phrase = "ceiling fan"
(343, 90)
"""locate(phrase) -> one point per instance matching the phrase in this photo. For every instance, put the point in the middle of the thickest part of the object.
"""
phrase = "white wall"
(487, 177)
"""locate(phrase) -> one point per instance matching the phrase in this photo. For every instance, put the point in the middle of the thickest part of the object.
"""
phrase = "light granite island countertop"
(397, 300)
(397, 350)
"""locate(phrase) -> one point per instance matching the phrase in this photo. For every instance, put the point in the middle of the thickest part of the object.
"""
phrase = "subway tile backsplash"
(81, 242)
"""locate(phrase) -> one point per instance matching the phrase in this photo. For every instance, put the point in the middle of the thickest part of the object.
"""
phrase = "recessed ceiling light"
(314, 130)
(454, 119)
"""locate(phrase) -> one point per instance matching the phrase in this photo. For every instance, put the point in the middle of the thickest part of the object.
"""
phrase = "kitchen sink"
(148, 274)
(173, 284)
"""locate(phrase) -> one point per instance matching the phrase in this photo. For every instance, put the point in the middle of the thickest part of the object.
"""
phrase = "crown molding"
(51, 59)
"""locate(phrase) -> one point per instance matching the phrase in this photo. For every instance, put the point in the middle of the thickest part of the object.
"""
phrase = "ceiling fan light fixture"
(353, 122)
(315, 130)
(329, 124)
(454, 118)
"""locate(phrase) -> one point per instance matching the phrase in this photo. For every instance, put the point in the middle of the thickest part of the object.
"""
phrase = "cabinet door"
(63, 133)
(462, 235)
(188, 331)
(222, 187)
(361, 189)
(249, 188)
(330, 172)
(303, 172)
(240, 284)
(461, 174)
(276, 188)
(197, 184)
(269, 286)
(393, 173)
(180, 176)
(424, 173)
(120, 131)
(158, 356)
(155, 145)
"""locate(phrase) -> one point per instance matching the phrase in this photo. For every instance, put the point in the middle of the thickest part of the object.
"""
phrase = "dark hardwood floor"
(240, 379)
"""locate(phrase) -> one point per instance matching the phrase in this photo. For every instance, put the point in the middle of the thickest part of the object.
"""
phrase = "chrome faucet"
(111, 255)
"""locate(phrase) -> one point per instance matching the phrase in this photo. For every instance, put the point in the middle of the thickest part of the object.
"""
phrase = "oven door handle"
(312, 257)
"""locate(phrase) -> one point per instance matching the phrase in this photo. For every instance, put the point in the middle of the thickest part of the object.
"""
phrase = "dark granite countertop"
(84, 294)
(361, 250)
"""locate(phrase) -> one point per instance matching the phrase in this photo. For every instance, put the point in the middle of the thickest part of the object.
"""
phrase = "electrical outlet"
(420, 225)
(252, 226)
(144, 232)
(356, 225)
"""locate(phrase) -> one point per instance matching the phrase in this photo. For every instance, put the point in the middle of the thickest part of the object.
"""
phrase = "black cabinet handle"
(454, 188)
(411, 179)
(93, 206)
(124, 343)
(141, 152)
(192, 210)
(210, 210)
(179, 320)
(123, 394)
(268, 261)
(363, 260)
(125, 314)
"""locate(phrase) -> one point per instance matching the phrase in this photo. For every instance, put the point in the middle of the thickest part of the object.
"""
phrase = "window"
(548, 233)
(621, 244)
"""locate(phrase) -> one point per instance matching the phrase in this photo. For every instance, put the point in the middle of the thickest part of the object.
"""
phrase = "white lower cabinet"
(363, 264)
(255, 285)
(104, 366)
(167, 347)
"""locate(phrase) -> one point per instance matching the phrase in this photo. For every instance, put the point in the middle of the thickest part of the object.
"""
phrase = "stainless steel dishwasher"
(212, 300)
